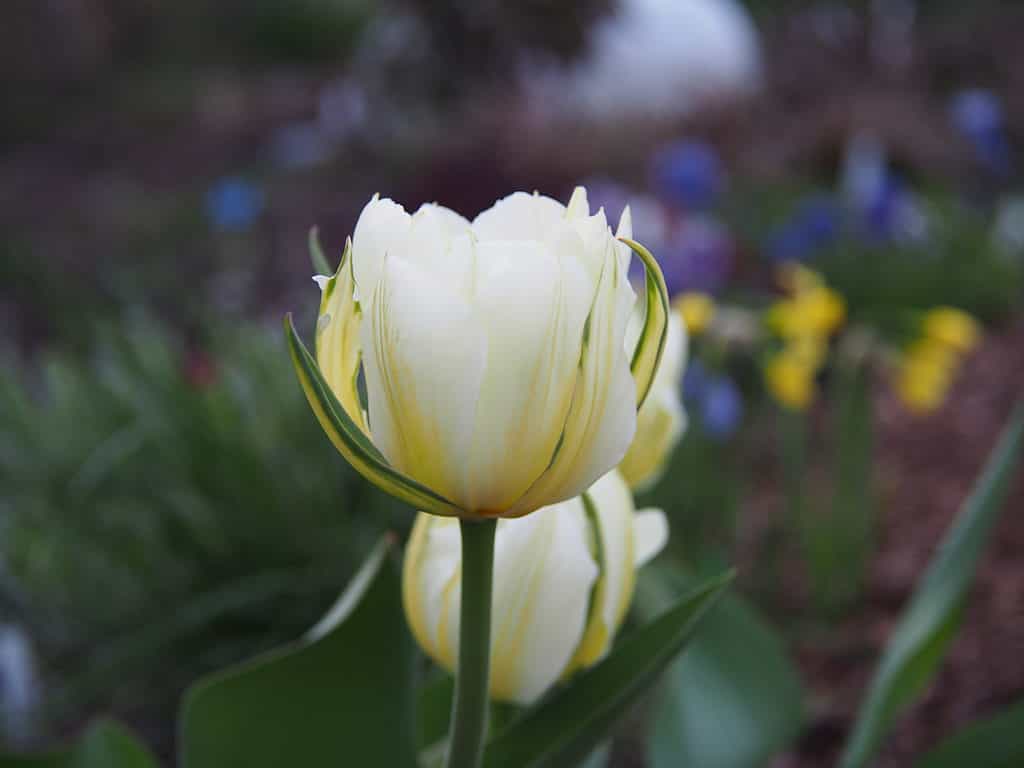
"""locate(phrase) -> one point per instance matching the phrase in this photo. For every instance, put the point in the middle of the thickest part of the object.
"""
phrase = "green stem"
(469, 707)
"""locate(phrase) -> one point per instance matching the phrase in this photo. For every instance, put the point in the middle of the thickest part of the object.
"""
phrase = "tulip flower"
(497, 374)
(563, 582)
(662, 420)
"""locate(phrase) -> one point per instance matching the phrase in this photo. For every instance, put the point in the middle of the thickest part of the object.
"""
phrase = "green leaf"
(343, 695)
(316, 254)
(571, 723)
(651, 344)
(919, 642)
(350, 440)
(996, 742)
(104, 745)
(736, 699)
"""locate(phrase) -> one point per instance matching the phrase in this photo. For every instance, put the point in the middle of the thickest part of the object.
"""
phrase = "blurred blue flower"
(697, 257)
(815, 225)
(978, 114)
(688, 173)
(893, 213)
(721, 408)
(234, 204)
(19, 689)
(695, 381)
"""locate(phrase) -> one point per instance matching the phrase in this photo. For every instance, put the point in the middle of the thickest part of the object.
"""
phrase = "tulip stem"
(469, 707)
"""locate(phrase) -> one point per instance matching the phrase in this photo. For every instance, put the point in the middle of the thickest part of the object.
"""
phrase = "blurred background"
(168, 504)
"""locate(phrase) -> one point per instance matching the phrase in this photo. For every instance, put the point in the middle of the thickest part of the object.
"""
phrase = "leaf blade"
(930, 621)
(352, 675)
(574, 721)
(349, 439)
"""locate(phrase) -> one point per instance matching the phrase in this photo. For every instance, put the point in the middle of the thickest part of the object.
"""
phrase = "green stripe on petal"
(651, 344)
(351, 441)
(316, 253)
(338, 351)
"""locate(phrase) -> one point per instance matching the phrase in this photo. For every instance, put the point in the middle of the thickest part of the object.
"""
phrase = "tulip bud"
(662, 420)
(498, 377)
(563, 581)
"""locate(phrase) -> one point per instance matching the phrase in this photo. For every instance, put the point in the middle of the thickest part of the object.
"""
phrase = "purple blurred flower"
(695, 381)
(688, 173)
(721, 408)
(697, 257)
(815, 225)
(894, 213)
(978, 115)
(234, 204)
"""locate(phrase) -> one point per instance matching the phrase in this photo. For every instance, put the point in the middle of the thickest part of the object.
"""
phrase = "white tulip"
(563, 581)
(498, 379)
(662, 420)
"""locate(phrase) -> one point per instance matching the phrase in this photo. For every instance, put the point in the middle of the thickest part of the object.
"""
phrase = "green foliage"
(158, 504)
(342, 696)
(104, 744)
(996, 742)
(930, 621)
(572, 722)
(734, 700)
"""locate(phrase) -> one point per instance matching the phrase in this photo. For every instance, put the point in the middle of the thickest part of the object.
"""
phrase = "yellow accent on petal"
(697, 311)
(412, 593)
(952, 327)
(338, 351)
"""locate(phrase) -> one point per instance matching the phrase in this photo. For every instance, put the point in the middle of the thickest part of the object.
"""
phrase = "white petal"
(625, 230)
(650, 534)
(424, 356)
(532, 306)
(430, 579)
(454, 223)
(602, 419)
(614, 503)
(382, 228)
(438, 242)
(544, 573)
(519, 216)
(579, 206)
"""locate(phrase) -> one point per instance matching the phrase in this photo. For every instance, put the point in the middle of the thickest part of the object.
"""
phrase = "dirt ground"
(924, 469)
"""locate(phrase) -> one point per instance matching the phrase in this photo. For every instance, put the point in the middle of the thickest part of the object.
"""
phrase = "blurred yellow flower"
(789, 376)
(952, 327)
(795, 278)
(697, 311)
(816, 311)
(924, 375)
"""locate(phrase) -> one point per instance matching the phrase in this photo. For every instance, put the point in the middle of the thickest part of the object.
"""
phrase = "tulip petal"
(602, 418)
(650, 534)
(424, 363)
(431, 572)
(609, 505)
(651, 342)
(544, 574)
(338, 351)
(381, 230)
(532, 304)
(544, 577)
(520, 216)
(350, 440)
